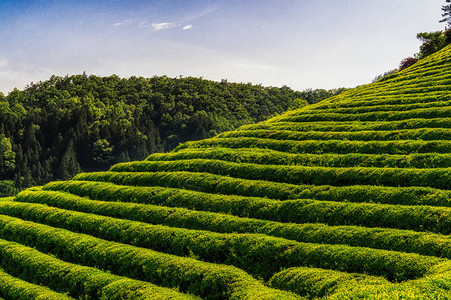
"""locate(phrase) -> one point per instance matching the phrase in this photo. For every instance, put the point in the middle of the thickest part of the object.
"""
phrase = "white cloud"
(187, 27)
(122, 23)
(162, 26)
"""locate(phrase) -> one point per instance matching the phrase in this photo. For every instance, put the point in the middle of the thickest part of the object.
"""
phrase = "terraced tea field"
(346, 199)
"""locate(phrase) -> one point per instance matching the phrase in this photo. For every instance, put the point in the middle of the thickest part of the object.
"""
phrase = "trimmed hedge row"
(260, 255)
(434, 219)
(353, 126)
(432, 112)
(313, 282)
(213, 281)
(207, 280)
(376, 107)
(437, 177)
(419, 85)
(417, 82)
(388, 92)
(368, 101)
(412, 134)
(436, 287)
(16, 289)
(79, 281)
(379, 100)
(327, 146)
(205, 245)
(381, 238)
(211, 183)
(377, 93)
(6, 199)
(401, 100)
(272, 157)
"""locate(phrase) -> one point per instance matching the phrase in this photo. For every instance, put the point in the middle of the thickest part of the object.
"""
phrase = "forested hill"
(56, 128)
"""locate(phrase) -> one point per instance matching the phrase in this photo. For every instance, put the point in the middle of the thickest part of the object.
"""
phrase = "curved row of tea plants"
(424, 243)
(326, 146)
(350, 126)
(260, 255)
(433, 177)
(273, 157)
(217, 184)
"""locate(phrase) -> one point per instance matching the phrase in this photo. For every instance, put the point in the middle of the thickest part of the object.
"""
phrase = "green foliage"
(15, 288)
(438, 178)
(69, 164)
(402, 147)
(272, 157)
(434, 112)
(432, 42)
(7, 188)
(258, 254)
(7, 155)
(56, 128)
(335, 213)
(211, 183)
(102, 152)
(204, 279)
(174, 215)
(79, 281)
(314, 96)
(314, 282)
(414, 134)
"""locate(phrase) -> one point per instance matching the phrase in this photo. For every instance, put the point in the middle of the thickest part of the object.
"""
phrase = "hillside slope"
(346, 199)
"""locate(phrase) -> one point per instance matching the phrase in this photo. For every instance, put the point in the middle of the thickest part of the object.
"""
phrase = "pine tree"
(447, 14)
(69, 165)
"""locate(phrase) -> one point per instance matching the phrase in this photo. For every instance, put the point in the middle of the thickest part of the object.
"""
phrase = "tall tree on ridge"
(447, 14)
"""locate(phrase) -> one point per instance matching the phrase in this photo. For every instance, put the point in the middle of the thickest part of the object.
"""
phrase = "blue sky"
(302, 44)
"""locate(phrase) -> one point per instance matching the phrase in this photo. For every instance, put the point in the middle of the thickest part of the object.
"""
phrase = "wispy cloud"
(155, 26)
(162, 26)
(122, 23)
(202, 13)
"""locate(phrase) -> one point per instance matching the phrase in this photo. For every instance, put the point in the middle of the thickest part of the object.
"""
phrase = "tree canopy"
(56, 128)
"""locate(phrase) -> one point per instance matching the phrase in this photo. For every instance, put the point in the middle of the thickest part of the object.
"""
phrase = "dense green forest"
(57, 128)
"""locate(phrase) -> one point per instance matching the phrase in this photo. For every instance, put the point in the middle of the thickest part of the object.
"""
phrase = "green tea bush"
(314, 282)
(326, 146)
(424, 243)
(212, 184)
(77, 280)
(272, 157)
(15, 288)
(437, 177)
(212, 281)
